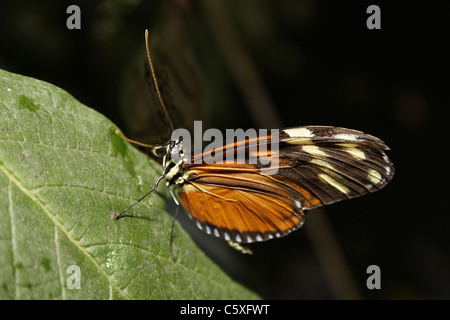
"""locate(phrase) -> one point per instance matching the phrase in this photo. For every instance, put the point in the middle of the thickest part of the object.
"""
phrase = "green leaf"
(63, 176)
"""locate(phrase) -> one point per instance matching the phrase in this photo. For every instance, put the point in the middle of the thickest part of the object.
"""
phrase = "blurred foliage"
(318, 64)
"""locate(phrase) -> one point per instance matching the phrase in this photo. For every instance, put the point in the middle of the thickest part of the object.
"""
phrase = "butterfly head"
(173, 157)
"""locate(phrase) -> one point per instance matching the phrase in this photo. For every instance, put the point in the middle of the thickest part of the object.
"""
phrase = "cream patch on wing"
(339, 186)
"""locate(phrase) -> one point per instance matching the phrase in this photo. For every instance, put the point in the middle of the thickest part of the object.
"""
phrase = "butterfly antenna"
(142, 198)
(155, 82)
(118, 133)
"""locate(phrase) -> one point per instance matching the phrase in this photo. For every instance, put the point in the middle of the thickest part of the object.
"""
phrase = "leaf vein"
(58, 262)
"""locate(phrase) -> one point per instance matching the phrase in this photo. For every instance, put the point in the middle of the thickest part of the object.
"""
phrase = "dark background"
(290, 62)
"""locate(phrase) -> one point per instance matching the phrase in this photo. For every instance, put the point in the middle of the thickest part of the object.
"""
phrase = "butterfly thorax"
(173, 171)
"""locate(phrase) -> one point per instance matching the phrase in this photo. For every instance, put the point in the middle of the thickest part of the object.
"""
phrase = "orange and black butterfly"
(318, 165)
(239, 202)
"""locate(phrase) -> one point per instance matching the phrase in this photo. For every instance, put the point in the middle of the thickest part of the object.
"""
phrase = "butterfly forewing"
(335, 163)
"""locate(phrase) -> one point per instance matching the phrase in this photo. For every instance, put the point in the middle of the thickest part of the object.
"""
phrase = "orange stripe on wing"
(233, 147)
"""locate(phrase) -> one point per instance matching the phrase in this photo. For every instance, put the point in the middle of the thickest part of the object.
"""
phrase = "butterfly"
(242, 203)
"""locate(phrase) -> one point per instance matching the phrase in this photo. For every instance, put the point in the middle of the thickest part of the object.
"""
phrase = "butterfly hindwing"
(241, 206)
